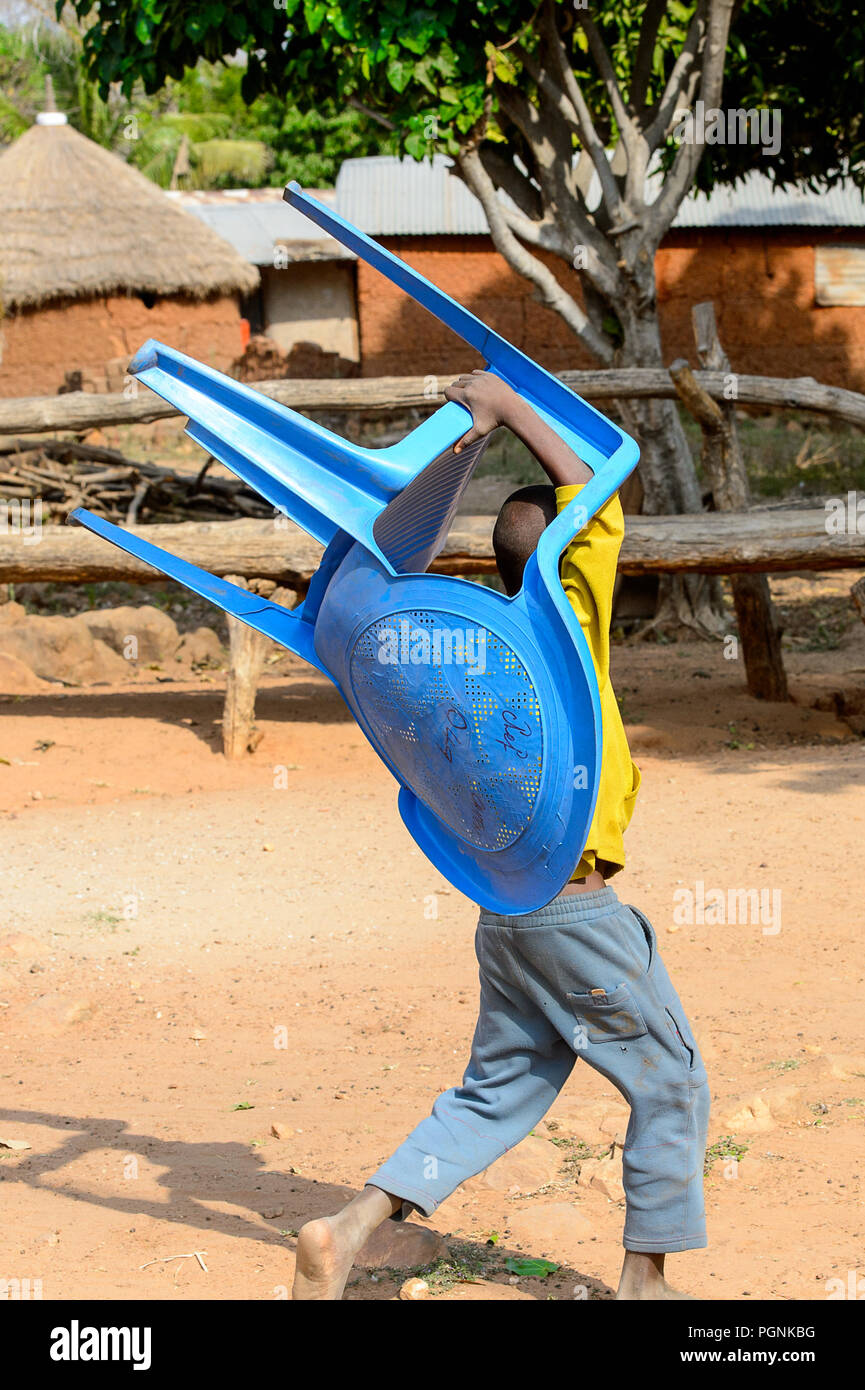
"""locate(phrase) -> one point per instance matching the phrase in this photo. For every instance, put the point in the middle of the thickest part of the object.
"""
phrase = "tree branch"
(519, 187)
(557, 106)
(683, 70)
(552, 294)
(588, 135)
(545, 84)
(373, 115)
(562, 196)
(549, 140)
(597, 48)
(681, 176)
(644, 61)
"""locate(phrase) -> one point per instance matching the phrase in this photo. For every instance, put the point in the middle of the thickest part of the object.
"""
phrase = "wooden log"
(122, 489)
(248, 649)
(857, 593)
(771, 540)
(84, 410)
(696, 401)
(66, 450)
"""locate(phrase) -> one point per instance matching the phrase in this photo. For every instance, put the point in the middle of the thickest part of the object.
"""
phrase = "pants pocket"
(683, 1039)
(611, 1017)
(649, 934)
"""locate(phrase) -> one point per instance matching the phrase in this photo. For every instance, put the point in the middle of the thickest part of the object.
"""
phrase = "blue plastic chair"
(484, 708)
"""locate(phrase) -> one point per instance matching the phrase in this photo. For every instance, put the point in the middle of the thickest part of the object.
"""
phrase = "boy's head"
(519, 524)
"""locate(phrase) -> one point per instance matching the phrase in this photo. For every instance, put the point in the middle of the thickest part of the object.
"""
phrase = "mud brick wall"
(97, 337)
(763, 288)
(762, 284)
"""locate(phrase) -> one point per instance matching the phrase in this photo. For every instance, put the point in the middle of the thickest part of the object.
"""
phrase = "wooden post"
(724, 467)
(248, 649)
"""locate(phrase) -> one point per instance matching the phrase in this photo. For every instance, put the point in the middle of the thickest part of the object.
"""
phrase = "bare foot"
(661, 1290)
(326, 1247)
(323, 1261)
(642, 1279)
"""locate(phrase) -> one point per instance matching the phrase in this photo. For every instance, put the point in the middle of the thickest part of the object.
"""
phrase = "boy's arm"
(492, 402)
(588, 564)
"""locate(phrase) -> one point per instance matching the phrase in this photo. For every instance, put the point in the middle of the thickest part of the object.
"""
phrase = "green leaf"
(340, 24)
(418, 40)
(314, 15)
(503, 64)
(416, 145)
(530, 1269)
(399, 73)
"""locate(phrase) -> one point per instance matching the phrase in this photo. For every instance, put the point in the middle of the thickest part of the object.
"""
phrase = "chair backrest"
(485, 708)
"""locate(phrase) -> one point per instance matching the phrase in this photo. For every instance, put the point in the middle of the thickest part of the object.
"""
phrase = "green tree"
(228, 141)
(29, 55)
(232, 143)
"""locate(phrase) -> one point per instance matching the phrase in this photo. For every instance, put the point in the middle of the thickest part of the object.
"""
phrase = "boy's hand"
(490, 400)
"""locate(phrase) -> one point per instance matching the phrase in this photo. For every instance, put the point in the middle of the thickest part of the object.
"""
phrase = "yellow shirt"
(588, 573)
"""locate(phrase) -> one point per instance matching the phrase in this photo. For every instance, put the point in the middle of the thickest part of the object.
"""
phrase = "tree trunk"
(667, 471)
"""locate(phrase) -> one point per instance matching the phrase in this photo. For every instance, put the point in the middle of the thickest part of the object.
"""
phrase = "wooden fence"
(277, 553)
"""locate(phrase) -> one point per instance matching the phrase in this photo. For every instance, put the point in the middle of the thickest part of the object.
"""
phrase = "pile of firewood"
(65, 473)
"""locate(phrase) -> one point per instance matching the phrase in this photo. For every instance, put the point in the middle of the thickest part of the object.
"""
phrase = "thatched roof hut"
(94, 259)
(75, 221)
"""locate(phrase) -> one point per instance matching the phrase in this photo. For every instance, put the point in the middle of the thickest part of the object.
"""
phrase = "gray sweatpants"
(580, 978)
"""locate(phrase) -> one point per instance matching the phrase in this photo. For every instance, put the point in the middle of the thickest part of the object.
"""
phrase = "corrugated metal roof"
(386, 196)
(755, 202)
(256, 221)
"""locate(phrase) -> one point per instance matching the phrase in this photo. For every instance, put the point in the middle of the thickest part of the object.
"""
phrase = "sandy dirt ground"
(194, 955)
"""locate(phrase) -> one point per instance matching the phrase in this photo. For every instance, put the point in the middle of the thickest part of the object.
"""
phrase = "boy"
(580, 977)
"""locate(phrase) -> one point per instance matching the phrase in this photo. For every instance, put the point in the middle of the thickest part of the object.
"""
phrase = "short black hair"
(520, 522)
